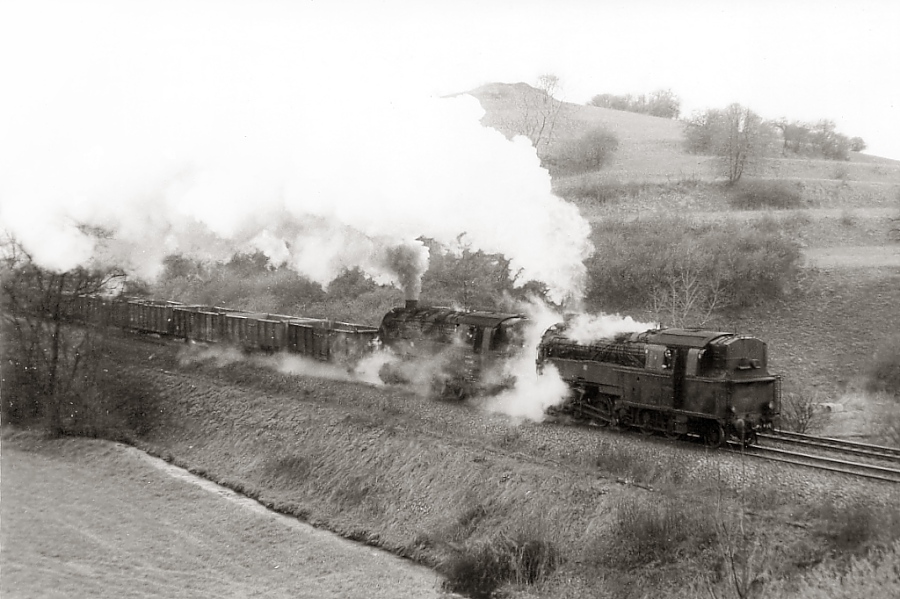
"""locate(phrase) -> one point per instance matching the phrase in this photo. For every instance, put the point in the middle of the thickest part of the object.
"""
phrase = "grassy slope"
(427, 479)
(651, 149)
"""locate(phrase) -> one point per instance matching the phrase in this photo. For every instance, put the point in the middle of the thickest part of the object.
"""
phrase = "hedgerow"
(681, 270)
(759, 195)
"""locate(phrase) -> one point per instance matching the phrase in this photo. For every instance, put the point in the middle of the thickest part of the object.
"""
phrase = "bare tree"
(742, 138)
(538, 113)
(800, 412)
(693, 289)
(46, 355)
(736, 134)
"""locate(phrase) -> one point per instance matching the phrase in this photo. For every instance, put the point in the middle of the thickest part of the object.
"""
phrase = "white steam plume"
(366, 371)
(533, 393)
(180, 131)
(585, 328)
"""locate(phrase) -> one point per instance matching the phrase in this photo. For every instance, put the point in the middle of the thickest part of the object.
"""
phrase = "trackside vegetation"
(365, 463)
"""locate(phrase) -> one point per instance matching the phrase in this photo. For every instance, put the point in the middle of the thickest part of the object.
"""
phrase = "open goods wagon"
(321, 339)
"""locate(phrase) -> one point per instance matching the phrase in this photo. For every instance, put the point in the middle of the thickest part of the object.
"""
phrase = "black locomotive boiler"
(464, 351)
(679, 382)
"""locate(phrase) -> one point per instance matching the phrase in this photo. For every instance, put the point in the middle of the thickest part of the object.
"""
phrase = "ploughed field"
(421, 478)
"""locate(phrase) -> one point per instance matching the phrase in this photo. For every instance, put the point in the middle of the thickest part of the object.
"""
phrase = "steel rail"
(841, 445)
(819, 462)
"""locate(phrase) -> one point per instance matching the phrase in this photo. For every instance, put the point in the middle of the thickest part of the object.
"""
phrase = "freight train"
(703, 383)
(322, 339)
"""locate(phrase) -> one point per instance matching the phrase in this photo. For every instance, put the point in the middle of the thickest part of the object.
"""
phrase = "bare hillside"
(651, 149)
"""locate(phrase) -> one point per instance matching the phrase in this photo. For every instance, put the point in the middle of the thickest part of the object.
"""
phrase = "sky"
(801, 59)
(310, 128)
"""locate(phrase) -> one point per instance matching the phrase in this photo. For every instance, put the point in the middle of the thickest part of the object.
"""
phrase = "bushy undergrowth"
(478, 568)
(681, 270)
(649, 530)
(884, 370)
(874, 575)
(600, 192)
(666, 466)
(759, 195)
(857, 527)
(799, 410)
(95, 397)
(590, 151)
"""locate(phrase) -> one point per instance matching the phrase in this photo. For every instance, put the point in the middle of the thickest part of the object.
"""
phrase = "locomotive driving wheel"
(607, 415)
(672, 429)
(713, 434)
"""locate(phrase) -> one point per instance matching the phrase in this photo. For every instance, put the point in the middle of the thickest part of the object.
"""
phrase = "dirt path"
(85, 518)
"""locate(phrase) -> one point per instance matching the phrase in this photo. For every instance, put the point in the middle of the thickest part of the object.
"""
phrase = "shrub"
(600, 192)
(682, 271)
(758, 195)
(22, 400)
(589, 152)
(122, 404)
(848, 218)
(662, 103)
(884, 371)
(840, 172)
(887, 431)
(798, 411)
(872, 575)
(94, 397)
(479, 568)
(649, 530)
(857, 526)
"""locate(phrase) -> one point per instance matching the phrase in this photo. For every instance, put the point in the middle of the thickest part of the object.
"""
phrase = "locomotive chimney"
(412, 304)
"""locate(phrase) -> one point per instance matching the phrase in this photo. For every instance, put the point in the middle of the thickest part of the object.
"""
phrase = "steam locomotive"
(465, 350)
(711, 384)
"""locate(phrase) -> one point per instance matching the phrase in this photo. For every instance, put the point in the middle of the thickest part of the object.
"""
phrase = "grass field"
(87, 518)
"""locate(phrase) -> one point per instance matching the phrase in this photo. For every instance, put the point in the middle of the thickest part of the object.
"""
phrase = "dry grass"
(471, 503)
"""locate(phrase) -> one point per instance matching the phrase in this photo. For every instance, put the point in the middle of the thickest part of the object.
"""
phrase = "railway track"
(841, 445)
(822, 453)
